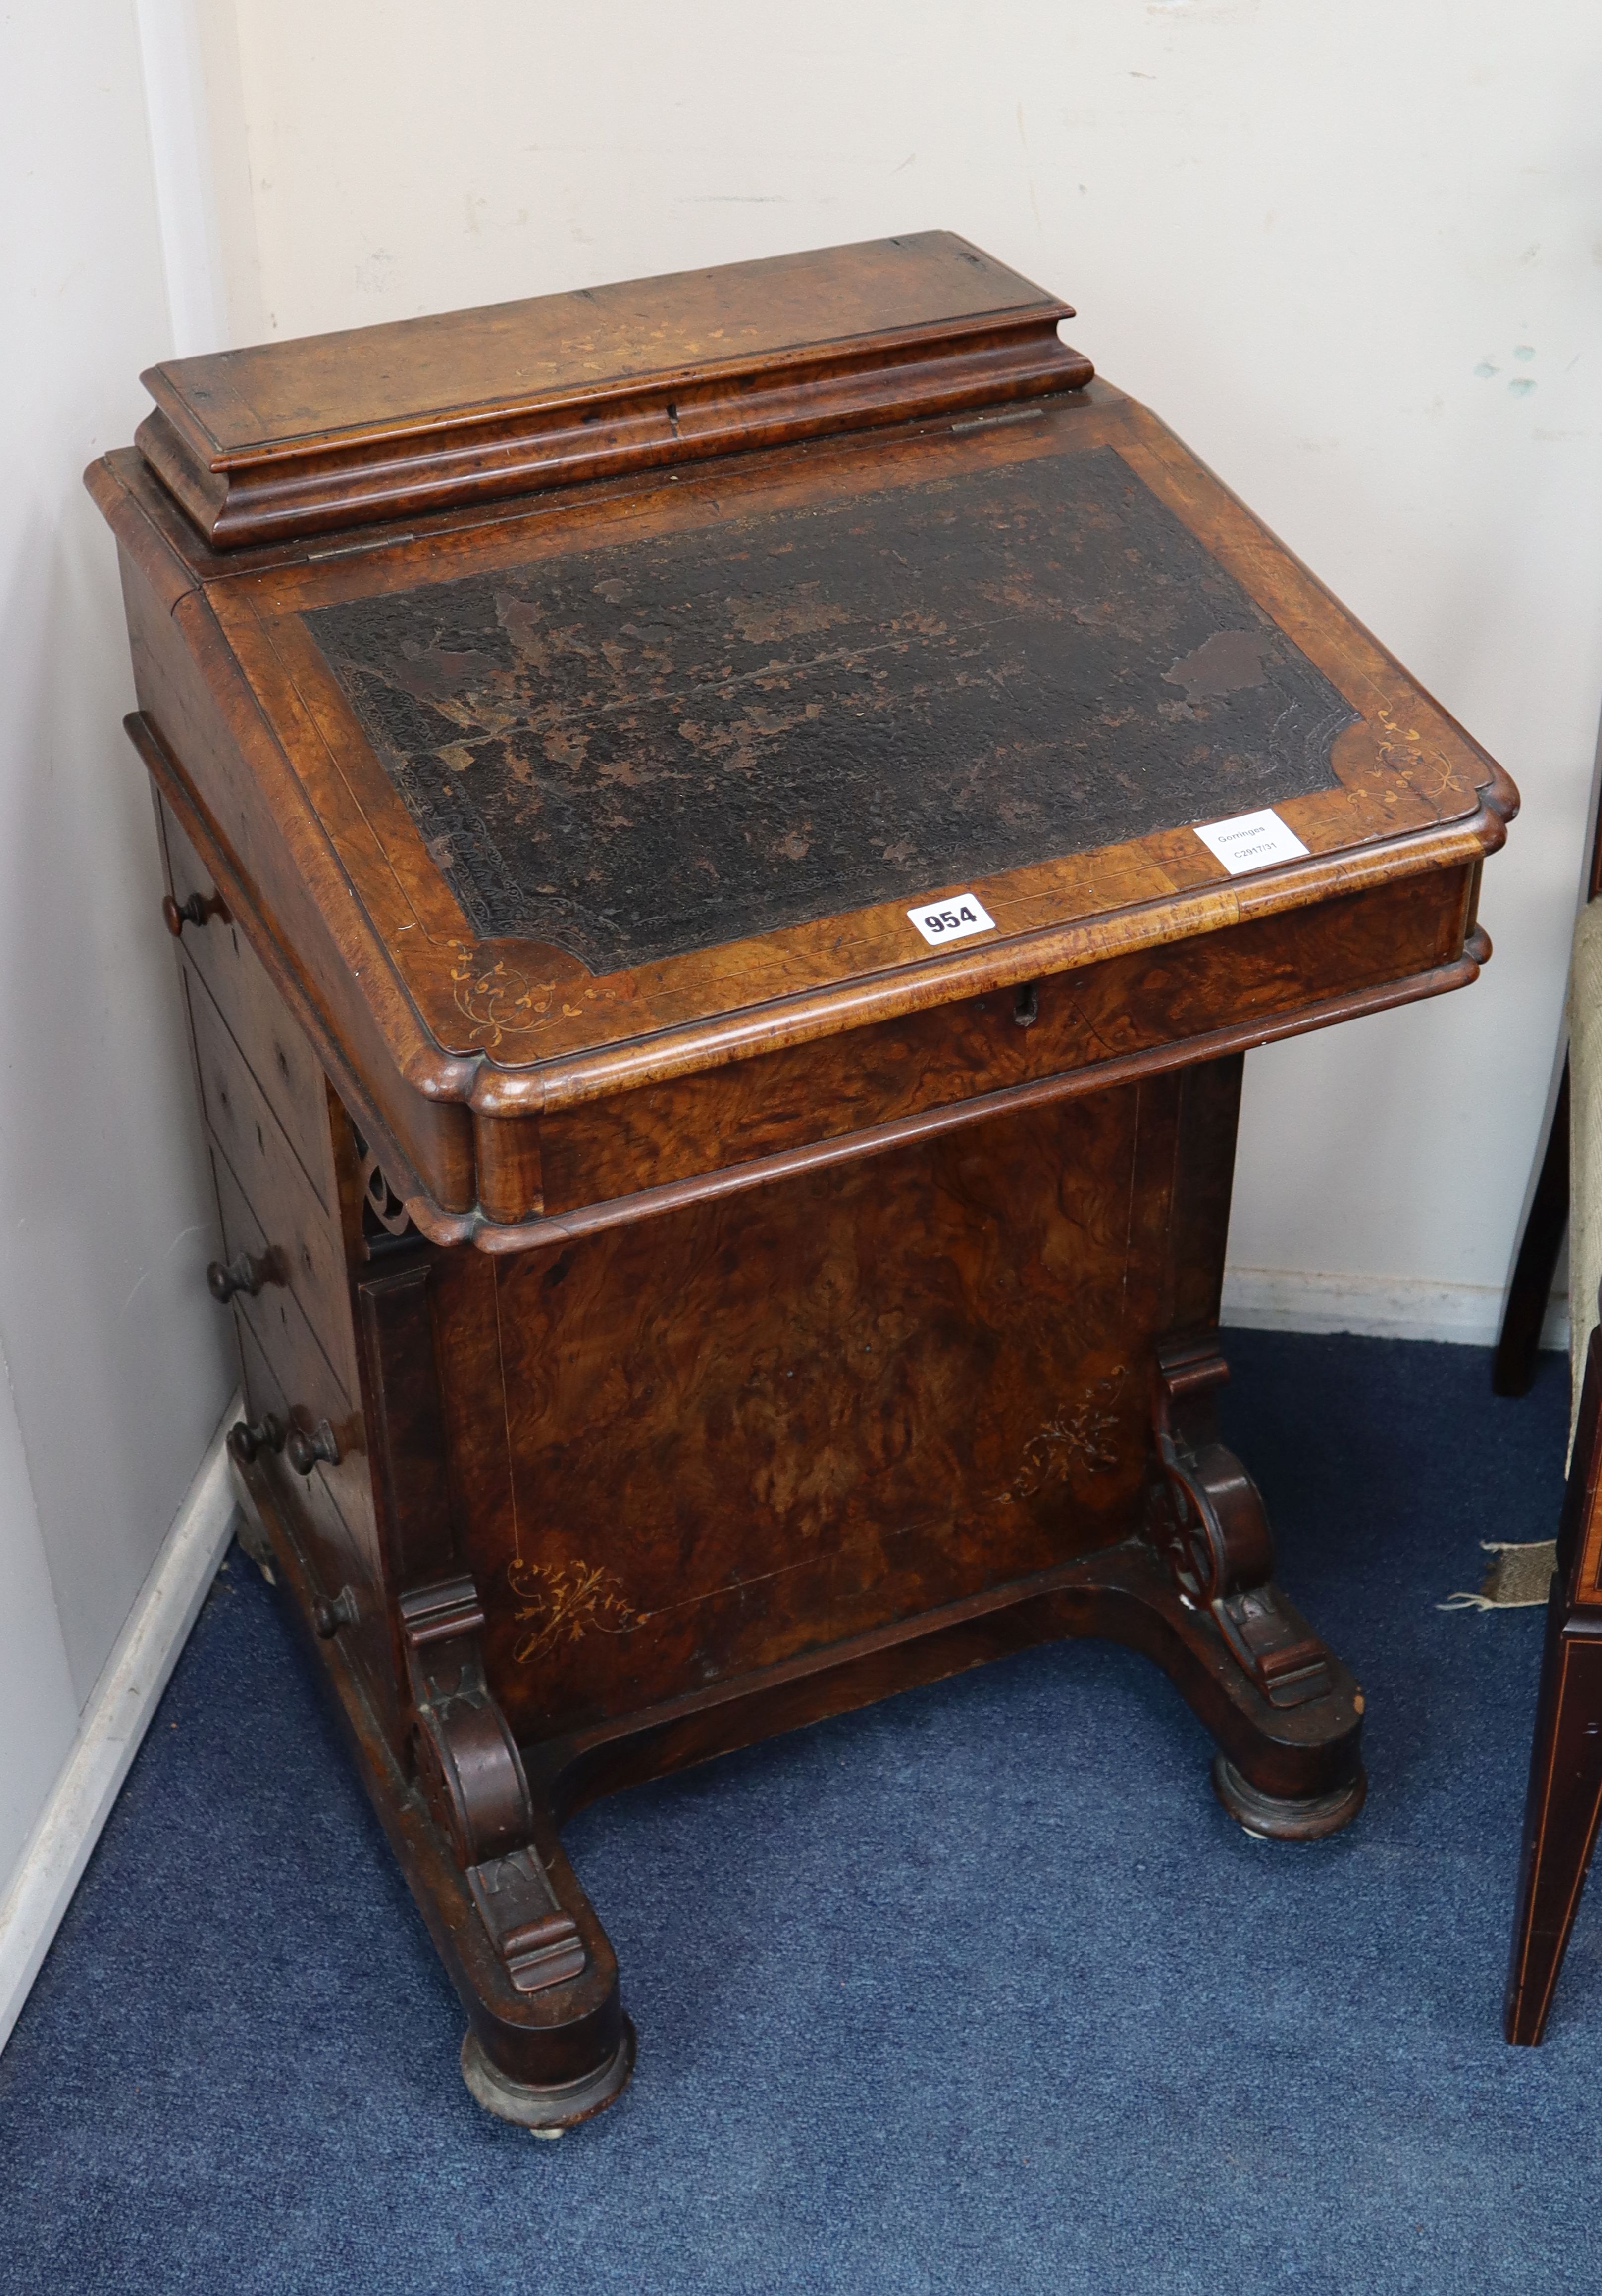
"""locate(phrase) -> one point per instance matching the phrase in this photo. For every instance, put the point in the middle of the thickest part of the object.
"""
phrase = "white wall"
(114, 1364)
(1353, 255)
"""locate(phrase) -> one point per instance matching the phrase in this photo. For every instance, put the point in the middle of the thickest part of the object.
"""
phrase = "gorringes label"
(1250, 840)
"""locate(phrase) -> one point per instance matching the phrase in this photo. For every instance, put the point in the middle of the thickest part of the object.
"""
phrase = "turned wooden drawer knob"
(195, 911)
(248, 1442)
(327, 1618)
(245, 1274)
(303, 1450)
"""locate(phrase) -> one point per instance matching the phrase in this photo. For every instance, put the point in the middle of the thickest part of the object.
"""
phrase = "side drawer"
(275, 1304)
(270, 1175)
(285, 1068)
(313, 1396)
(334, 1550)
(281, 1218)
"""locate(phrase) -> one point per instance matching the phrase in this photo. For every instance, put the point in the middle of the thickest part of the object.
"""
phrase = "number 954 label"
(951, 919)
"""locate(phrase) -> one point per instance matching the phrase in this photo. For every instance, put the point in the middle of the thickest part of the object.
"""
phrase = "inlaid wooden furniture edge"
(581, 2018)
(1561, 1811)
(493, 1236)
(312, 480)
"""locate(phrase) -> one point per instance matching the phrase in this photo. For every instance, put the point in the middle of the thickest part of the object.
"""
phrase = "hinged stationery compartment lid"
(294, 438)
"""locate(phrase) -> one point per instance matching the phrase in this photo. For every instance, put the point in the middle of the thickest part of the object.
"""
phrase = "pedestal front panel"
(744, 1432)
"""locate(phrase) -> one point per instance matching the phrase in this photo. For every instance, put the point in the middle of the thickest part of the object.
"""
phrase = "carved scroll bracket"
(468, 1764)
(1220, 1550)
(382, 1210)
(467, 1757)
(473, 1777)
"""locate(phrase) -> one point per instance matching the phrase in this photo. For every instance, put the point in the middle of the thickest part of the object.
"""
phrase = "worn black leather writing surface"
(656, 746)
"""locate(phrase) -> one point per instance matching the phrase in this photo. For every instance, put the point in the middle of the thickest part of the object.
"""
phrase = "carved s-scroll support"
(467, 1761)
(467, 1757)
(472, 1774)
(1219, 1548)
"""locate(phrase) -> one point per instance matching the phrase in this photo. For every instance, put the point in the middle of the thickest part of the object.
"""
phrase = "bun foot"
(545, 2112)
(1275, 1818)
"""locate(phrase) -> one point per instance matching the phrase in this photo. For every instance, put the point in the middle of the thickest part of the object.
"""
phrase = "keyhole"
(1026, 1005)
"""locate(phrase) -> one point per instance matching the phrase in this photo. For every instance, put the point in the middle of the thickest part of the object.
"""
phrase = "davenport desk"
(726, 839)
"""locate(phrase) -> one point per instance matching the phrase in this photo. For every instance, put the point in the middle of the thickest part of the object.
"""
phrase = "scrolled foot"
(1275, 1818)
(545, 2112)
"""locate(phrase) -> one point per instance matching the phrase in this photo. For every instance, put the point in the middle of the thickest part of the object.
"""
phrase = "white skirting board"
(1378, 1306)
(114, 1722)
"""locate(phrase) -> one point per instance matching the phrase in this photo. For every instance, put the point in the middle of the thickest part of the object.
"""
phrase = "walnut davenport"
(678, 1298)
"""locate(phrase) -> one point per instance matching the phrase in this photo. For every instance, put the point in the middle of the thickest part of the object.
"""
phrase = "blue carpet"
(976, 1991)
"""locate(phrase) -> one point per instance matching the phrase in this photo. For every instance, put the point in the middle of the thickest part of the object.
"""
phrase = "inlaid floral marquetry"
(564, 1602)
